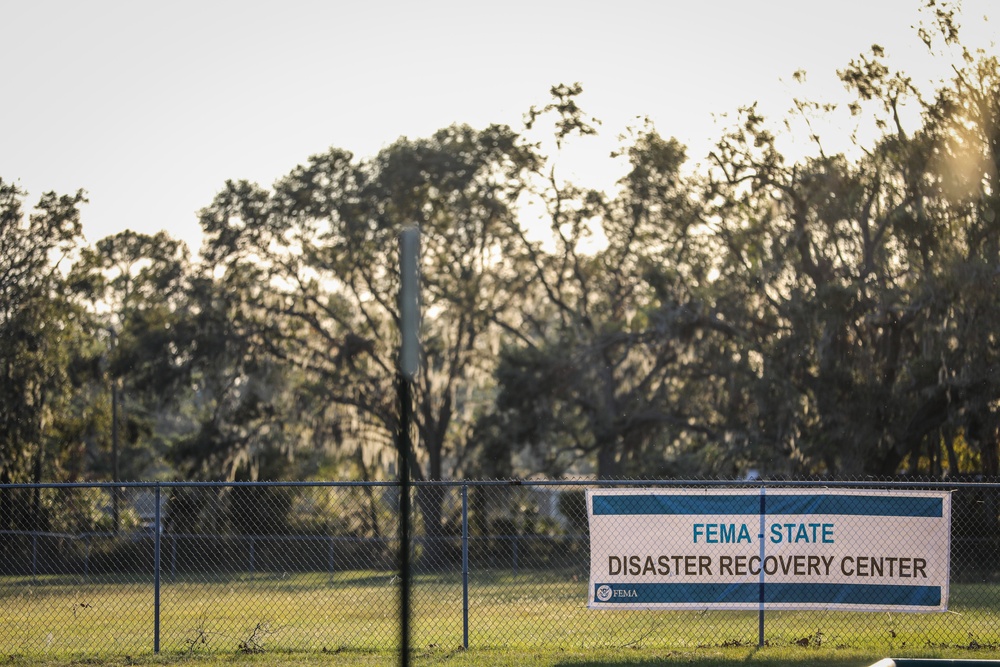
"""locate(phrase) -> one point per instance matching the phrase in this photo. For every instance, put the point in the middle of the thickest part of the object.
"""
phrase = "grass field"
(767, 657)
(529, 619)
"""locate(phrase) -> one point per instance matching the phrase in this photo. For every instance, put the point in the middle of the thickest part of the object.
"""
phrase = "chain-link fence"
(250, 567)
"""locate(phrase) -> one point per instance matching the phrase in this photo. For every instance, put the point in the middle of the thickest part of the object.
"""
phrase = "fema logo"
(604, 593)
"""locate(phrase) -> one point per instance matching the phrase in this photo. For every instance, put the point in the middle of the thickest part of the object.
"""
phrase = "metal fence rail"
(202, 567)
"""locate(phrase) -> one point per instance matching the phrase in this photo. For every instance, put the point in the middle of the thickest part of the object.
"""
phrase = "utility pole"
(409, 363)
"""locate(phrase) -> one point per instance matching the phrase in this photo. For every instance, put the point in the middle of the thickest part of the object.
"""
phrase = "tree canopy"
(819, 316)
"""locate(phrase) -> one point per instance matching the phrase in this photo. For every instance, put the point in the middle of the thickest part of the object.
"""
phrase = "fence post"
(34, 556)
(156, 575)
(465, 566)
(760, 537)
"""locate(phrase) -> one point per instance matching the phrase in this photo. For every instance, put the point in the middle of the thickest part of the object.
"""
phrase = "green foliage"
(43, 352)
(822, 316)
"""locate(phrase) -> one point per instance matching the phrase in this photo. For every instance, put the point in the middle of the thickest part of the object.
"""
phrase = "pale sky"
(150, 107)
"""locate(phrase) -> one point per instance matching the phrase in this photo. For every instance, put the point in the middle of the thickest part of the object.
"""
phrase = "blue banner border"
(861, 595)
(777, 504)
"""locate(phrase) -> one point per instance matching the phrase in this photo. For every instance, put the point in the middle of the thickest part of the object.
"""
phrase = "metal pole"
(115, 472)
(156, 575)
(115, 511)
(409, 364)
(404, 520)
(760, 537)
(465, 566)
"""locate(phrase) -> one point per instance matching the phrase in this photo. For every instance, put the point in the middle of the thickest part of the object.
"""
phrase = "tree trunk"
(948, 436)
(608, 466)
(439, 552)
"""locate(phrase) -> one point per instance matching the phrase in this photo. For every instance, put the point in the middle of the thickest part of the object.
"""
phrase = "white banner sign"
(861, 550)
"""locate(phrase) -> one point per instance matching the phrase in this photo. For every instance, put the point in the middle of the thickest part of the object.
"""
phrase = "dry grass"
(353, 616)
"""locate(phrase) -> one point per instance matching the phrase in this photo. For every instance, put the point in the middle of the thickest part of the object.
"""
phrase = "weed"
(200, 636)
(254, 644)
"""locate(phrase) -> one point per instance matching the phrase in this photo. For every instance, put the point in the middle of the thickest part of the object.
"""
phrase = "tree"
(244, 408)
(323, 248)
(135, 285)
(40, 344)
(864, 286)
(963, 127)
(619, 333)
